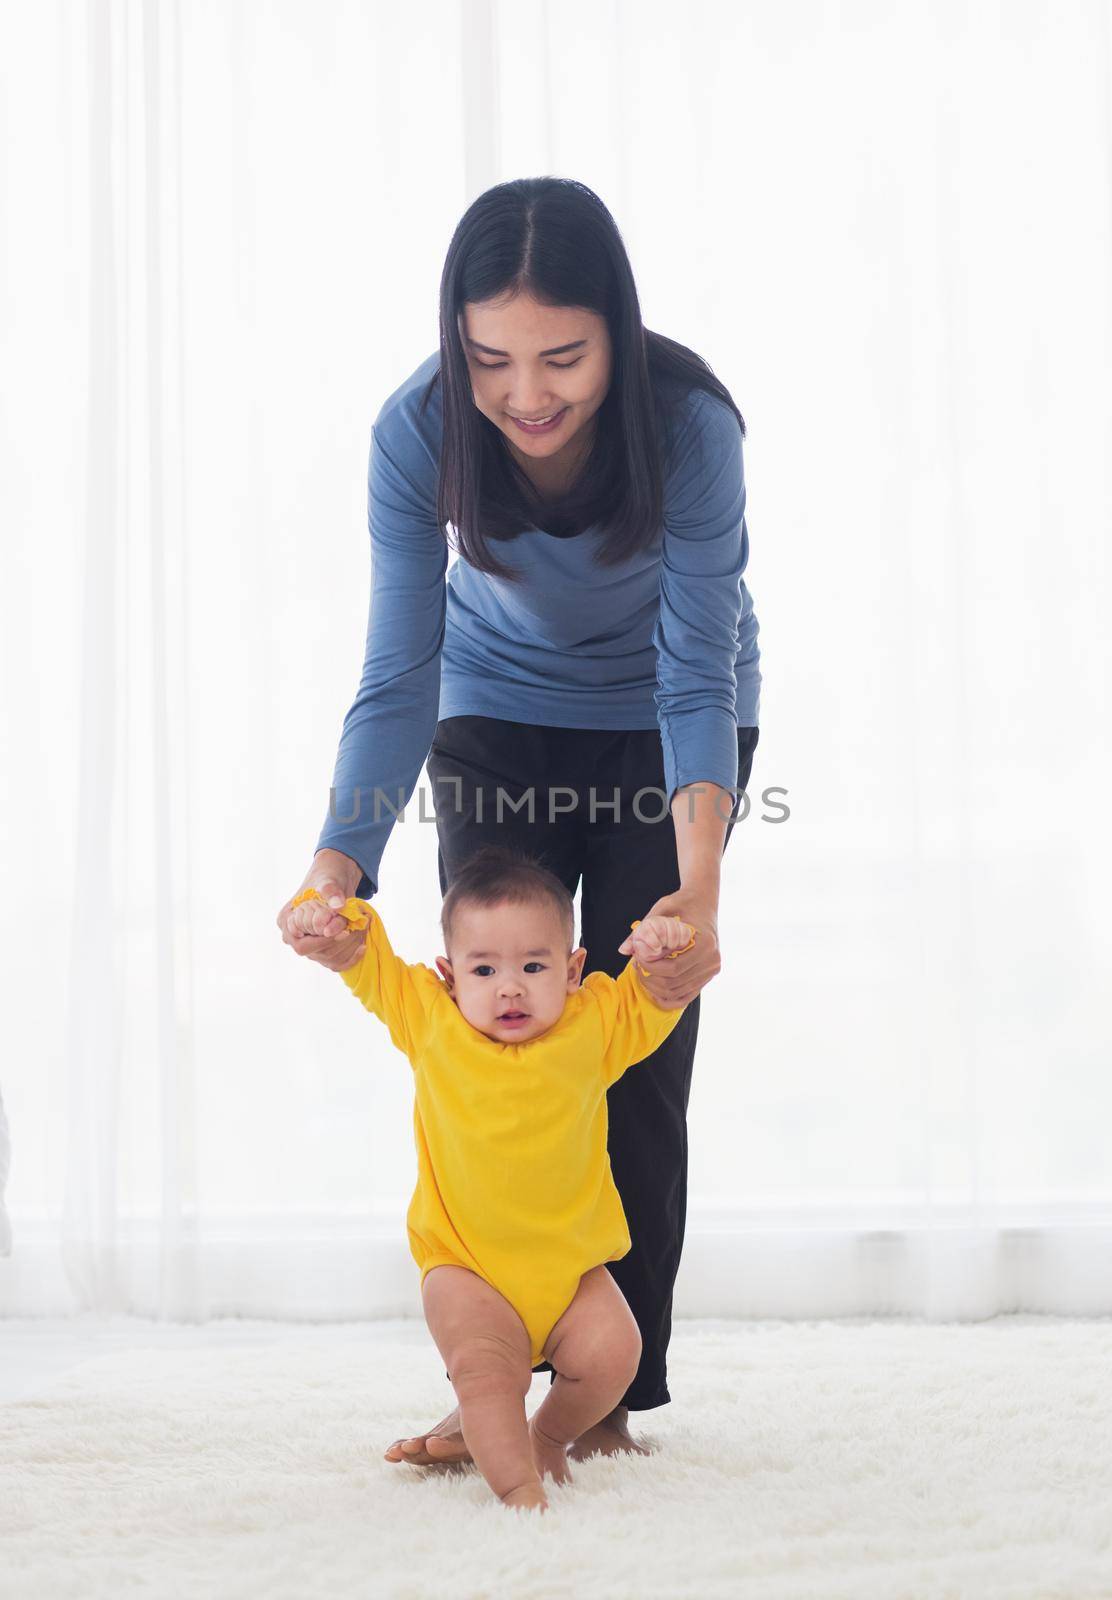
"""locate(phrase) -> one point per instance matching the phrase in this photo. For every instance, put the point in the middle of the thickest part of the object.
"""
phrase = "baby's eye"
(481, 971)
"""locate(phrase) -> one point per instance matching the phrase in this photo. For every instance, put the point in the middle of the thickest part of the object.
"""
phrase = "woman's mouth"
(546, 425)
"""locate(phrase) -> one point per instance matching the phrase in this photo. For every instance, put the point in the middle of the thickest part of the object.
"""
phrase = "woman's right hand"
(314, 928)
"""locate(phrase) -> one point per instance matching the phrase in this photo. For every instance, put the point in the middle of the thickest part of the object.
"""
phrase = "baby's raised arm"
(394, 991)
(634, 1022)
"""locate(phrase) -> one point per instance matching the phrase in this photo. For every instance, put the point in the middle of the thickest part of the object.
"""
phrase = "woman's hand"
(675, 983)
(315, 929)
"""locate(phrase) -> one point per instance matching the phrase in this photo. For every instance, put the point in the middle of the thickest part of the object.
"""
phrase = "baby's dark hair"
(500, 872)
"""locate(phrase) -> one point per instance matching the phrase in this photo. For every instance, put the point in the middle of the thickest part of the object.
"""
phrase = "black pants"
(626, 863)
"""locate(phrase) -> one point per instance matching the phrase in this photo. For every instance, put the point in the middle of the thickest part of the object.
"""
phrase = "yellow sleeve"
(399, 994)
(632, 1022)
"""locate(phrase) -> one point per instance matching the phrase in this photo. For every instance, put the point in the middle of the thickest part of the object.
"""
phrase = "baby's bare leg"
(595, 1348)
(486, 1351)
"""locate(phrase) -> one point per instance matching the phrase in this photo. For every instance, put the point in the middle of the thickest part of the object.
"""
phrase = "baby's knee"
(609, 1355)
(622, 1354)
(486, 1364)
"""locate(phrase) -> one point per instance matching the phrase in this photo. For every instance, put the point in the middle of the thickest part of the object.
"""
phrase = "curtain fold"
(890, 234)
(128, 1011)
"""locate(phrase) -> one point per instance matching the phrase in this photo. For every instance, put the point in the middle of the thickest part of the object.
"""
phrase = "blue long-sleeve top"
(668, 638)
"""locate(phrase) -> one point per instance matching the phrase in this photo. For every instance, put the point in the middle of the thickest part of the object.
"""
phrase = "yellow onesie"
(513, 1175)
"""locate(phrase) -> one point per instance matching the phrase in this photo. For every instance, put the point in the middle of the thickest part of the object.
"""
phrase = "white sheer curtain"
(888, 230)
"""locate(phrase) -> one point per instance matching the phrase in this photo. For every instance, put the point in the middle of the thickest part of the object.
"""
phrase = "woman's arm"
(707, 658)
(707, 674)
(389, 729)
(700, 813)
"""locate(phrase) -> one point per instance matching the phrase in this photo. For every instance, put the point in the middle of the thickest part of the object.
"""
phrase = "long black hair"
(554, 239)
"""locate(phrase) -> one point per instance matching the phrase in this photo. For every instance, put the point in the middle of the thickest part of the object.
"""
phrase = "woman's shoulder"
(410, 421)
(699, 428)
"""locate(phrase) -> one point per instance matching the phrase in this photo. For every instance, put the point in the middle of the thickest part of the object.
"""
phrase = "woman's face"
(521, 367)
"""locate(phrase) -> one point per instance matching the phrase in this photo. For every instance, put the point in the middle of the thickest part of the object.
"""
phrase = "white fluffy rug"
(798, 1461)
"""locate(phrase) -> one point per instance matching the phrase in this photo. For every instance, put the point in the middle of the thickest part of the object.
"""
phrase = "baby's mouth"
(512, 1016)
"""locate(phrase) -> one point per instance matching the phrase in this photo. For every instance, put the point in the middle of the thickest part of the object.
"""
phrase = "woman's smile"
(548, 425)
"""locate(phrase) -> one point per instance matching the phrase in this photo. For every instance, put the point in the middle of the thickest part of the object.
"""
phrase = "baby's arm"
(392, 990)
(634, 1022)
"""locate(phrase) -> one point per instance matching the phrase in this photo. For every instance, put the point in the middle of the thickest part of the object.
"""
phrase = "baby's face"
(509, 958)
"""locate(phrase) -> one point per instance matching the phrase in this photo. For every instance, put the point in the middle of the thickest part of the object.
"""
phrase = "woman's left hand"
(674, 983)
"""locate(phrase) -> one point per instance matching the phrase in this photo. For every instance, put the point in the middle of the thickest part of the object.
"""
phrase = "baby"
(515, 1211)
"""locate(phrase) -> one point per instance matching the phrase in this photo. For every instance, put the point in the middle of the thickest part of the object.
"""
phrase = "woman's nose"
(528, 405)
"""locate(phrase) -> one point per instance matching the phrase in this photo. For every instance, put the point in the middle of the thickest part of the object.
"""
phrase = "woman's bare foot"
(530, 1496)
(610, 1437)
(444, 1443)
(548, 1456)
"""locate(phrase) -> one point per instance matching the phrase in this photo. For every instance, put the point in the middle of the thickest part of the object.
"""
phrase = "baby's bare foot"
(548, 1457)
(444, 1443)
(529, 1496)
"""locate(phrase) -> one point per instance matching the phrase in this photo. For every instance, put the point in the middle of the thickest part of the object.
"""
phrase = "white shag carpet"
(847, 1460)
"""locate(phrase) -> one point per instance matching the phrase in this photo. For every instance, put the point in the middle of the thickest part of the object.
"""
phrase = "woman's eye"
(492, 366)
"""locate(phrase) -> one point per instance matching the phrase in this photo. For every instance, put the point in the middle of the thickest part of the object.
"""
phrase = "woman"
(585, 681)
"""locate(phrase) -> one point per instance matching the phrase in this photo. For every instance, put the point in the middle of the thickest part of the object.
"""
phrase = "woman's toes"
(447, 1447)
(429, 1449)
(405, 1450)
